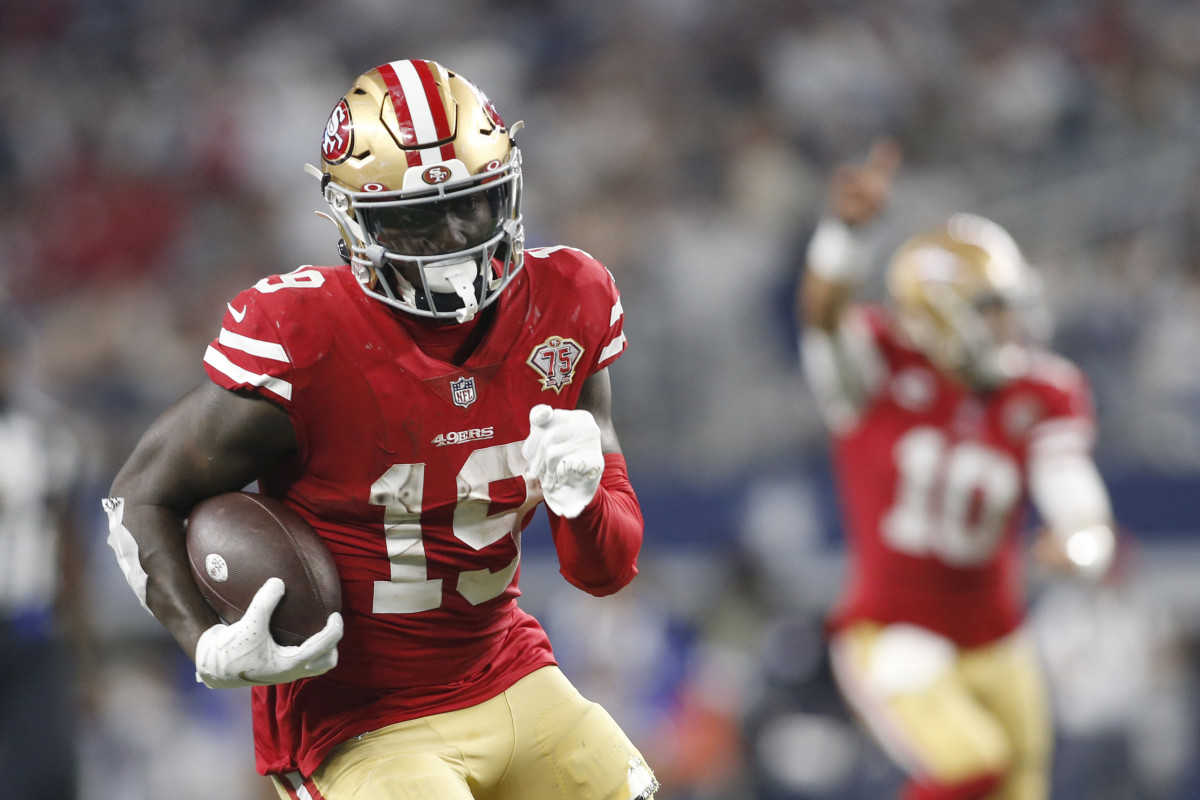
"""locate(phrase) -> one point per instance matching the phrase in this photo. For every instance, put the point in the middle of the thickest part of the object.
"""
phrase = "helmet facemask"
(962, 336)
(445, 253)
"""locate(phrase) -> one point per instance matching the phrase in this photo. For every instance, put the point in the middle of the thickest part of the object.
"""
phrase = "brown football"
(235, 541)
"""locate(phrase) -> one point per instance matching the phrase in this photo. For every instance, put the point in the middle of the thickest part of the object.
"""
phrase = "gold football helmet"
(423, 181)
(964, 296)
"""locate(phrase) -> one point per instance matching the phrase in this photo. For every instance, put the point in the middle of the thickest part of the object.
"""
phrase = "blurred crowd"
(152, 156)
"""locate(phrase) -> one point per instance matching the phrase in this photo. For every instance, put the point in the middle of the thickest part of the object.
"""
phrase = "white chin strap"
(444, 278)
(458, 277)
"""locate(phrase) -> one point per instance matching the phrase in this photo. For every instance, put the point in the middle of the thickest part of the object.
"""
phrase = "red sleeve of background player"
(1070, 418)
(598, 550)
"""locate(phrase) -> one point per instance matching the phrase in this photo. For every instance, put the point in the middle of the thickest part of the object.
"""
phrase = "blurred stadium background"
(151, 155)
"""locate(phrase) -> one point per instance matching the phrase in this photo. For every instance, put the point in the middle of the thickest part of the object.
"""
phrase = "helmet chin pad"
(448, 285)
(458, 277)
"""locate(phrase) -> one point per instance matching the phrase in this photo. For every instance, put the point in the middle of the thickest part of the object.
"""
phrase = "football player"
(946, 415)
(415, 405)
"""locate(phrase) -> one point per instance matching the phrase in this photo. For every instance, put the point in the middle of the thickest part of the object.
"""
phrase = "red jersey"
(410, 468)
(933, 485)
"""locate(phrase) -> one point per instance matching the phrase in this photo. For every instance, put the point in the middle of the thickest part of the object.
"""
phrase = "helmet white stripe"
(400, 106)
(441, 123)
(418, 104)
(420, 99)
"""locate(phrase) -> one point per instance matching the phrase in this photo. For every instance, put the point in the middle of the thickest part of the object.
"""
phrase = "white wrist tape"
(1071, 497)
(838, 253)
(125, 546)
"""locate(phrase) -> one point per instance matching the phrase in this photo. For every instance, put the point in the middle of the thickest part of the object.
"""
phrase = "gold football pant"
(540, 740)
(964, 724)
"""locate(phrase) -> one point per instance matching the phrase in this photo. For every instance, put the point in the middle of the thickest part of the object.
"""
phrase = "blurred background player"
(415, 405)
(946, 415)
(45, 640)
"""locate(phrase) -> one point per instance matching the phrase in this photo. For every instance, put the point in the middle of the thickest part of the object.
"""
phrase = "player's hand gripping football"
(563, 452)
(245, 654)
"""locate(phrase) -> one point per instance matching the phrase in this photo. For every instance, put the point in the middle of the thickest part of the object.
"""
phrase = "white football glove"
(245, 654)
(563, 453)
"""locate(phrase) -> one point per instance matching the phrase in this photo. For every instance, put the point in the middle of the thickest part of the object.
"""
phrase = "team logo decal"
(339, 135)
(462, 391)
(436, 174)
(216, 567)
(555, 360)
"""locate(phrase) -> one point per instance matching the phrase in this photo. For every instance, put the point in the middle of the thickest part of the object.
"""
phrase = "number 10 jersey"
(933, 482)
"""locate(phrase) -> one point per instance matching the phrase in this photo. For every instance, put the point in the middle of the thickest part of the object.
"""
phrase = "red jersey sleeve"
(586, 288)
(1068, 421)
(598, 550)
(615, 342)
(248, 352)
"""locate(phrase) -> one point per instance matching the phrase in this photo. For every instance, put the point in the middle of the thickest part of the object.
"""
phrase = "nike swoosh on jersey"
(237, 315)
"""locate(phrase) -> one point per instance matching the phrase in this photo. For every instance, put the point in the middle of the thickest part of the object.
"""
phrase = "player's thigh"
(405, 776)
(569, 747)
(1008, 678)
(903, 684)
(407, 761)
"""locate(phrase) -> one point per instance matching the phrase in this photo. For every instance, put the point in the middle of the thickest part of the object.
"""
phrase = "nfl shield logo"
(462, 391)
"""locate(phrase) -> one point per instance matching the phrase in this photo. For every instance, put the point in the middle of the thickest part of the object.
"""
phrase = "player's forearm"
(149, 541)
(1071, 498)
(837, 261)
(823, 303)
(598, 550)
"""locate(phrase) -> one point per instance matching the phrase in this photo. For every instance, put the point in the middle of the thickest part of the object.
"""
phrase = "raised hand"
(859, 192)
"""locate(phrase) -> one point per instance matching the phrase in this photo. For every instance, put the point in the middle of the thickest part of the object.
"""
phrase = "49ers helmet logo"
(555, 360)
(436, 174)
(339, 135)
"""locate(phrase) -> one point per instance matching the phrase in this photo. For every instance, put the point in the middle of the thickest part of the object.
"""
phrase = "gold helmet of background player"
(423, 180)
(963, 294)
